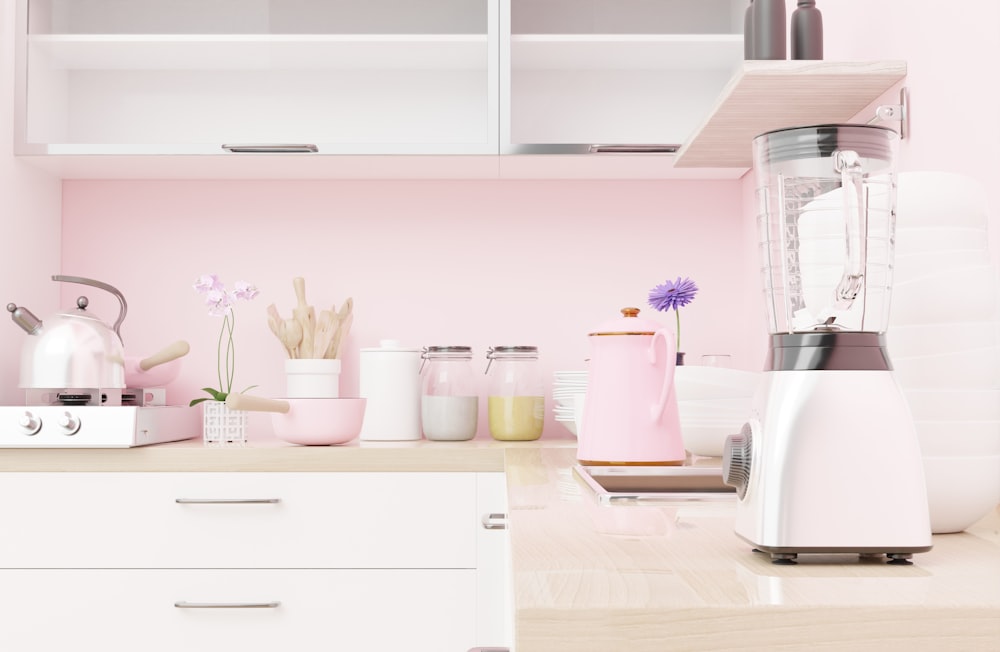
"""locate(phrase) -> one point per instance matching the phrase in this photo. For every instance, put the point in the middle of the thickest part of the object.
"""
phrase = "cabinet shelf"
(260, 51)
(766, 95)
(626, 51)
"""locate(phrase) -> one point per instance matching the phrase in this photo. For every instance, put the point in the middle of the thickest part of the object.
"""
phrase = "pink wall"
(427, 262)
(29, 226)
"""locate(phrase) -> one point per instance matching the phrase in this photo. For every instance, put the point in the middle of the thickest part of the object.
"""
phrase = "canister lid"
(447, 352)
(511, 351)
(628, 324)
(390, 346)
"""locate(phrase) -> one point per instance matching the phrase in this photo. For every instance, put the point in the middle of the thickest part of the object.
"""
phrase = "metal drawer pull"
(489, 649)
(227, 501)
(226, 605)
(495, 521)
(262, 148)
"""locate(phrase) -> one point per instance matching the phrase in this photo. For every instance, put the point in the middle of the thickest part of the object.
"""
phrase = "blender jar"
(449, 403)
(516, 393)
(826, 225)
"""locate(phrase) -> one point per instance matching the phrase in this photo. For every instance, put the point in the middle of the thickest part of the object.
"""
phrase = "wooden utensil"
(346, 318)
(292, 337)
(277, 325)
(326, 328)
(306, 316)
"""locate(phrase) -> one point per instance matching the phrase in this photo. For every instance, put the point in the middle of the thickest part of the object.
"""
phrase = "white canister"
(390, 380)
(312, 378)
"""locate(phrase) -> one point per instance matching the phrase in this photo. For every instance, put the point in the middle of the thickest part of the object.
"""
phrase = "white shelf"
(766, 95)
(257, 51)
(626, 51)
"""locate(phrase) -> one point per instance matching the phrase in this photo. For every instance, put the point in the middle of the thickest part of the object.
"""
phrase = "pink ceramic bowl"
(320, 421)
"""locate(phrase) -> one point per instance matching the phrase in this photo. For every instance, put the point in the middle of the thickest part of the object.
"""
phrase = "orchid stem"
(218, 354)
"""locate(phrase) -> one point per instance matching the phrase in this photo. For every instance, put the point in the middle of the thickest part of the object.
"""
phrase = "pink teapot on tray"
(630, 412)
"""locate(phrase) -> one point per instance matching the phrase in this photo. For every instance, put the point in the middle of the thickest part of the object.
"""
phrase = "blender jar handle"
(848, 164)
(656, 411)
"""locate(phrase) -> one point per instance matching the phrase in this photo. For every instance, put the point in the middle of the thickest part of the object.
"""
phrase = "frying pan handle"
(256, 404)
(178, 349)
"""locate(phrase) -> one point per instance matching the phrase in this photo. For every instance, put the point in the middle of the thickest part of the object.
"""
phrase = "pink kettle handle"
(668, 375)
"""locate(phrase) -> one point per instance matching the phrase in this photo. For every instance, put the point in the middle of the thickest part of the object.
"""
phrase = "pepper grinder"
(807, 31)
(769, 29)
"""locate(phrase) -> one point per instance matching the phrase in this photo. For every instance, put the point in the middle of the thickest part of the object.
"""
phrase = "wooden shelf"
(768, 95)
(626, 51)
(261, 51)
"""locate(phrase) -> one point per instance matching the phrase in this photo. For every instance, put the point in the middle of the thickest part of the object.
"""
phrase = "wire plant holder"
(222, 425)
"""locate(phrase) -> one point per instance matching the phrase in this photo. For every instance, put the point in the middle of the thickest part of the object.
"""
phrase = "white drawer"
(319, 520)
(130, 610)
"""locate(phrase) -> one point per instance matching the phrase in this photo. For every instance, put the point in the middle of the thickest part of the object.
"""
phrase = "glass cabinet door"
(589, 75)
(190, 76)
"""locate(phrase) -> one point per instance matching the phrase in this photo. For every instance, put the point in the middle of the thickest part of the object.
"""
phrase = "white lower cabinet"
(253, 561)
(130, 610)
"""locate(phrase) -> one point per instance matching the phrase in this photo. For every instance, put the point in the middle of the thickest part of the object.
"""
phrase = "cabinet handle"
(226, 501)
(495, 521)
(283, 148)
(489, 649)
(226, 605)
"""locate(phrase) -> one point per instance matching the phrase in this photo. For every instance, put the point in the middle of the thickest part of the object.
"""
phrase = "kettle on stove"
(630, 414)
(73, 348)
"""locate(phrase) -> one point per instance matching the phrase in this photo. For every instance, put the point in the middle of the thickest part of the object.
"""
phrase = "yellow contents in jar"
(516, 418)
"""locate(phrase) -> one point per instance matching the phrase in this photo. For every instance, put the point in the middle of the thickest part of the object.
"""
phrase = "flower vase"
(680, 358)
(222, 425)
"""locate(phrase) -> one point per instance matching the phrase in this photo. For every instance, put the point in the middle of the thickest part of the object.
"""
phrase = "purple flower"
(244, 291)
(219, 302)
(673, 295)
(207, 283)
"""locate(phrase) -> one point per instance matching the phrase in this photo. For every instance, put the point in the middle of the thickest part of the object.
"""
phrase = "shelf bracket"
(895, 113)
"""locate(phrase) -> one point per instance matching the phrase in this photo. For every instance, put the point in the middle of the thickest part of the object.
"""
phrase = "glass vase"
(222, 425)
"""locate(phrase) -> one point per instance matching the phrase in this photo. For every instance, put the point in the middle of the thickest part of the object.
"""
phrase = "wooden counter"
(644, 578)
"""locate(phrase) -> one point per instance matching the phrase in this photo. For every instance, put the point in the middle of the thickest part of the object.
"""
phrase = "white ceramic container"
(312, 378)
(390, 380)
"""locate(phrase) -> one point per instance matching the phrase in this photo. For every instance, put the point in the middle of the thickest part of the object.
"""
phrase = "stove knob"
(736, 460)
(70, 424)
(30, 424)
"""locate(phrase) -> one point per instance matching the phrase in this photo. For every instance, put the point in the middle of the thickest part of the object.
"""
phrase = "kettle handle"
(123, 307)
(668, 376)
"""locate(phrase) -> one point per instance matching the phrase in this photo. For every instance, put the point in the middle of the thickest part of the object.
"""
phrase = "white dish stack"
(944, 341)
(713, 402)
(568, 390)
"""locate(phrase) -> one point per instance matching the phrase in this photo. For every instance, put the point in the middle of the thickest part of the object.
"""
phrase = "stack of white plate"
(714, 402)
(568, 390)
(944, 341)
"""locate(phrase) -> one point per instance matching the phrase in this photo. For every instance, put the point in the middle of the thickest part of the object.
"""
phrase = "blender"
(829, 460)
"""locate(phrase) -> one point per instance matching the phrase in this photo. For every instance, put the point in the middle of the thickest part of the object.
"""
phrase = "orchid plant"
(673, 295)
(220, 302)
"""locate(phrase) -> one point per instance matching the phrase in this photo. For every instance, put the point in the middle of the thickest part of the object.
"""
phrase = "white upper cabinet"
(584, 73)
(190, 76)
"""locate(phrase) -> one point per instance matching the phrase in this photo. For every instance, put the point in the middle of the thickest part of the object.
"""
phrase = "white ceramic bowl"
(967, 294)
(958, 438)
(954, 404)
(972, 369)
(707, 440)
(932, 339)
(927, 239)
(912, 266)
(698, 383)
(932, 198)
(961, 490)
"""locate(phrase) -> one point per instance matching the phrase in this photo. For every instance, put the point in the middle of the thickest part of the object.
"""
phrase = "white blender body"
(829, 461)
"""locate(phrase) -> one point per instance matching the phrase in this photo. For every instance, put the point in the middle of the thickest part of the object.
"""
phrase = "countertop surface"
(643, 578)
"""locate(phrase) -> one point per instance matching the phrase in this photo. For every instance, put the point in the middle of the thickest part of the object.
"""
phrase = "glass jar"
(449, 402)
(516, 393)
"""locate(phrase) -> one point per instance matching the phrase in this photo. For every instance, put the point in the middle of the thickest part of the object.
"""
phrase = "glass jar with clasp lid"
(516, 393)
(449, 402)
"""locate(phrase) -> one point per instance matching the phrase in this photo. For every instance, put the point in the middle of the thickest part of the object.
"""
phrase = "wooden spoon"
(326, 328)
(292, 337)
(345, 319)
(306, 316)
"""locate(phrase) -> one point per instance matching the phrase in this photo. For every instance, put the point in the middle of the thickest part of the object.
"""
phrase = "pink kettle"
(630, 411)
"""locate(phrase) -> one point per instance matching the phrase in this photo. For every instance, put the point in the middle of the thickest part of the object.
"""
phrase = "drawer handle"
(495, 521)
(226, 605)
(261, 148)
(227, 501)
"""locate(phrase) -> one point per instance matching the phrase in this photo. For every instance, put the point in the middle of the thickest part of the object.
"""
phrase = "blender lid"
(628, 324)
(821, 141)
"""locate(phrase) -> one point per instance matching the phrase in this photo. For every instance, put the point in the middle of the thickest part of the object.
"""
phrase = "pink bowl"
(320, 421)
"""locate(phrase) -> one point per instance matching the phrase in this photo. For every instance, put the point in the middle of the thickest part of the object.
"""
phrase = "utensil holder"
(312, 378)
(222, 425)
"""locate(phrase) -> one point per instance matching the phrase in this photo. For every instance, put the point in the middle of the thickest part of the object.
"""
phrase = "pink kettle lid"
(628, 324)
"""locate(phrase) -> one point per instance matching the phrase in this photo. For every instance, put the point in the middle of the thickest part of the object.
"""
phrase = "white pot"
(312, 378)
